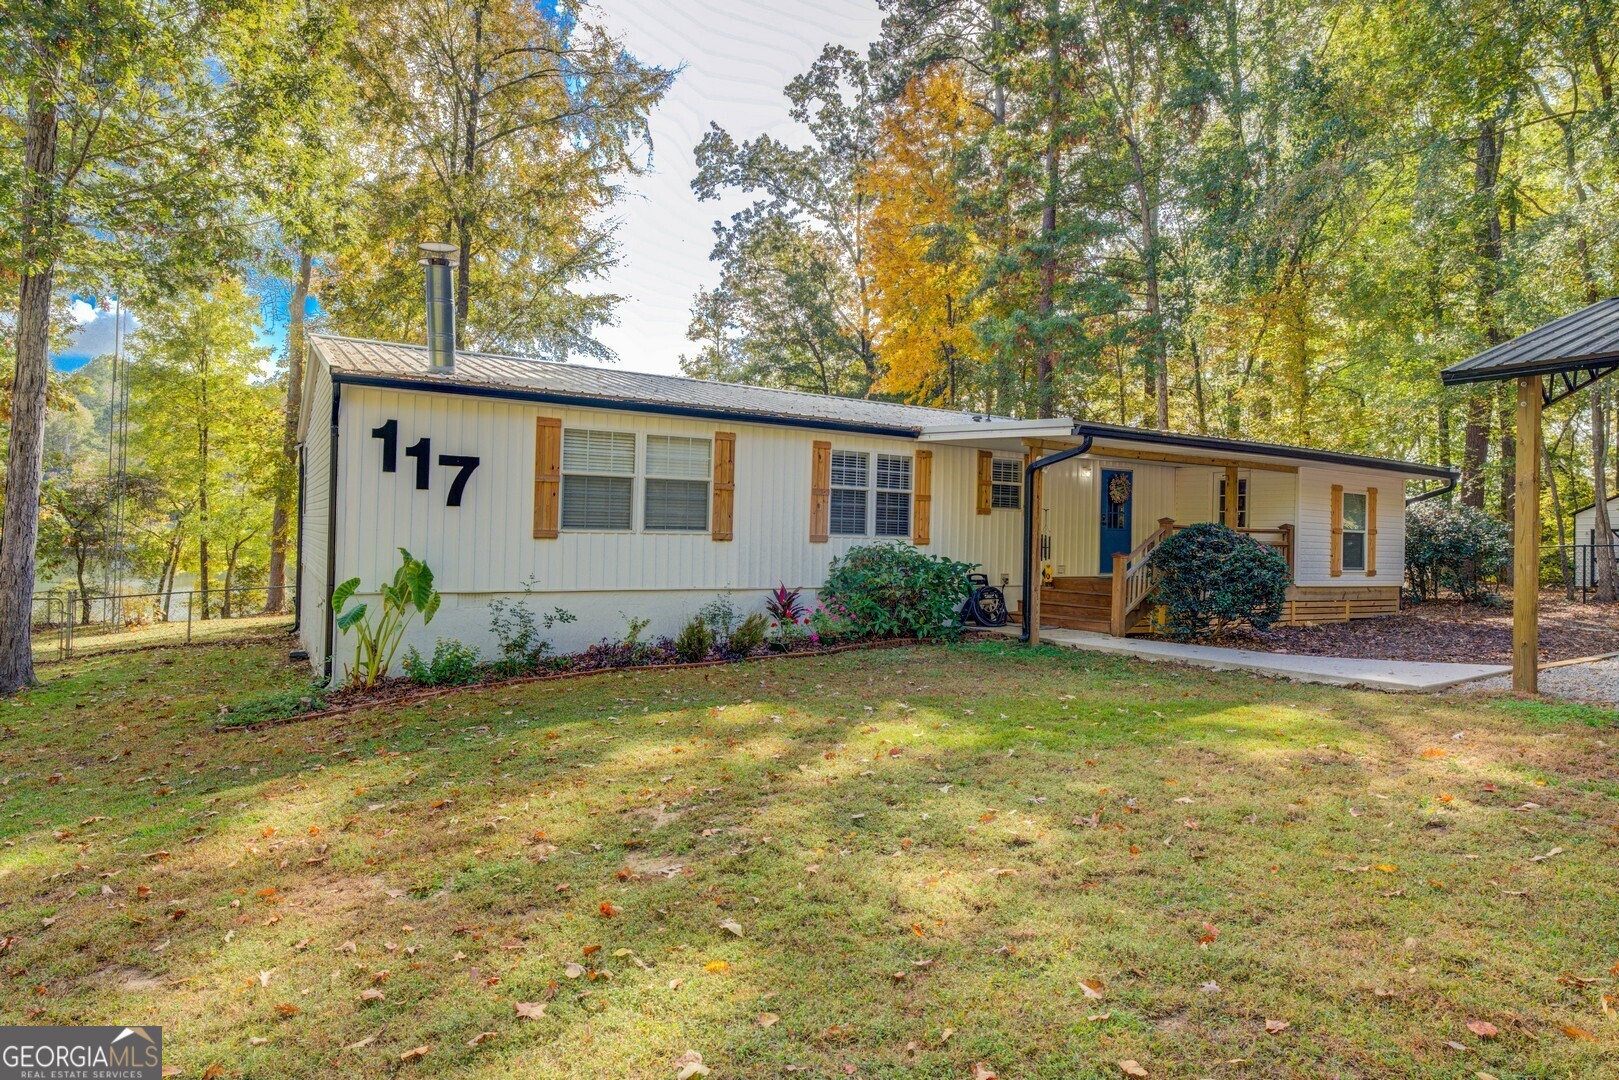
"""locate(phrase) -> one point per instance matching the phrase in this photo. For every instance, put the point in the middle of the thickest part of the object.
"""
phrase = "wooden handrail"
(1132, 583)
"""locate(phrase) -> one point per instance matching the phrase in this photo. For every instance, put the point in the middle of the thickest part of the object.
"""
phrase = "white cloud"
(96, 330)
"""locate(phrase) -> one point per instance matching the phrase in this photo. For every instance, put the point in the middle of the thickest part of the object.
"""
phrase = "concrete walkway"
(1332, 670)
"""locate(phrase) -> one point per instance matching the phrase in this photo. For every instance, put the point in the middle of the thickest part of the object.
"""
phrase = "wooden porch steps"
(1078, 603)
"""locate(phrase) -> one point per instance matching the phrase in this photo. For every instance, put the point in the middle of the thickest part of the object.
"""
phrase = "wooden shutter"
(821, 493)
(1371, 532)
(1337, 556)
(724, 484)
(547, 476)
(922, 499)
(986, 481)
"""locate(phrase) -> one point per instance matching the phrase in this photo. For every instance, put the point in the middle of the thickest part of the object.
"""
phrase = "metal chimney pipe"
(440, 288)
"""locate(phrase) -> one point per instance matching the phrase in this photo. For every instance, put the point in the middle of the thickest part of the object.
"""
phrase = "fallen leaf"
(1131, 1067)
(367, 1041)
(1578, 1033)
(608, 909)
(573, 971)
(529, 1010)
(480, 1037)
(1209, 934)
(690, 1064)
(981, 1071)
(767, 1019)
(1483, 1029)
(718, 967)
(371, 995)
(1276, 1027)
(733, 926)
(944, 1036)
(1549, 854)
(415, 1054)
(1092, 987)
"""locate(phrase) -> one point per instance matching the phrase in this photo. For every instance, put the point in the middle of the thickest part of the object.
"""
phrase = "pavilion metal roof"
(1576, 349)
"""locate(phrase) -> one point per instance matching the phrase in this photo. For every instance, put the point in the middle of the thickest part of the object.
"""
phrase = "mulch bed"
(400, 691)
(1447, 631)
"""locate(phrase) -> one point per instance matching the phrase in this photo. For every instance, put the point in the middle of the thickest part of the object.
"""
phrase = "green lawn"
(930, 854)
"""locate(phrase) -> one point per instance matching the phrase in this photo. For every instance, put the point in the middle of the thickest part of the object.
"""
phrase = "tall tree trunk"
(1475, 448)
(1557, 514)
(1045, 375)
(1486, 277)
(26, 444)
(275, 596)
(1607, 574)
(203, 523)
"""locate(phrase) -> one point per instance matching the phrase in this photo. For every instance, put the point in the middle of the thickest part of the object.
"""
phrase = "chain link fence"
(68, 623)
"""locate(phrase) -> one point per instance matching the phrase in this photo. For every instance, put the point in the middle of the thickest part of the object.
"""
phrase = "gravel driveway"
(1596, 682)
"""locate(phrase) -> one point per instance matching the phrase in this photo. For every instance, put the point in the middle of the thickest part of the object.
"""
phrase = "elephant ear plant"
(410, 592)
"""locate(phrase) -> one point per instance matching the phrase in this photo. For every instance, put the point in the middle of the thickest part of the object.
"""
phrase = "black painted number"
(459, 484)
(389, 434)
(422, 451)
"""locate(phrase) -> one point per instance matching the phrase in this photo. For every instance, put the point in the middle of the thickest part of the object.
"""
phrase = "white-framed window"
(1354, 531)
(893, 495)
(1005, 484)
(1242, 500)
(598, 480)
(851, 485)
(678, 472)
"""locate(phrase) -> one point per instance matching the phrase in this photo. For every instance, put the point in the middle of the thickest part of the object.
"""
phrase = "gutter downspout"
(1448, 486)
(298, 579)
(1028, 521)
(331, 535)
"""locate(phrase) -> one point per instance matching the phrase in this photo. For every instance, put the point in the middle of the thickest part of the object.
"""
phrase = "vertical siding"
(1313, 535)
(486, 546)
(1073, 507)
(313, 526)
(1272, 496)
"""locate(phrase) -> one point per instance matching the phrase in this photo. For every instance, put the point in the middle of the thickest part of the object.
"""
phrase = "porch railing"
(1132, 578)
(1133, 581)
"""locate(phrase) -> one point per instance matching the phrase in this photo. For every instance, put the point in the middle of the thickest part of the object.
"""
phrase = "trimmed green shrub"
(1210, 578)
(894, 590)
(1453, 547)
(452, 664)
(749, 634)
(694, 643)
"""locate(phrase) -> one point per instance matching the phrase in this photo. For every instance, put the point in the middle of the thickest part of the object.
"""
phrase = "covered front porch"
(1099, 499)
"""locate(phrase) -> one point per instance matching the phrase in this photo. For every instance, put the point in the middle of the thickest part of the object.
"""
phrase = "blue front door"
(1117, 485)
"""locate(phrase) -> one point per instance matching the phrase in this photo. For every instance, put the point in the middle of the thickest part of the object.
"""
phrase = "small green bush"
(1210, 578)
(518, 630)
(721, 617)
(1453, 547)
(452, 664)
(893, 590)
(749, 634)
(693, 644)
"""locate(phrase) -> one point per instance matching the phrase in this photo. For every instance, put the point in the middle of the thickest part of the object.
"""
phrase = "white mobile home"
(615, 495)
(1584, 541)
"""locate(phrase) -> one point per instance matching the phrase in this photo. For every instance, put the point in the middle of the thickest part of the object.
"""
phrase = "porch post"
(1035, 494)
(1526, 541)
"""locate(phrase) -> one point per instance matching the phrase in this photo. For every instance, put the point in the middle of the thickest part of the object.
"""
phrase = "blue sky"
(738, 54)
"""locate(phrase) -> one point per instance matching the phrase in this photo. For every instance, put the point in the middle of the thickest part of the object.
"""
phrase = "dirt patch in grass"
(1447, 631)
(911, 859)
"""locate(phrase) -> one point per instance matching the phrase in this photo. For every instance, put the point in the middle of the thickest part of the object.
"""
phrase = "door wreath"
(1118, 489)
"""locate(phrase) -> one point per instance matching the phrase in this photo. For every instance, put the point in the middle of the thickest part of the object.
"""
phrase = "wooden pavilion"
(1548, 364)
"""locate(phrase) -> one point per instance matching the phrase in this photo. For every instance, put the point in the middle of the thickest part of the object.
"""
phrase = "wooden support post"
(1121, 595)
(1232, 485)
(1526, 541)
(1037, 579)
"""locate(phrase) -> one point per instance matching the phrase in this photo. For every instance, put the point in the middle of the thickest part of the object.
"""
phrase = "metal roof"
(357, 361)
(1585, 341)
(378, 363)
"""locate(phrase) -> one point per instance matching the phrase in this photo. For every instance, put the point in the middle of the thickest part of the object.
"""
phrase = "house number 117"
(422, 451)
